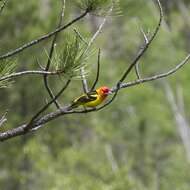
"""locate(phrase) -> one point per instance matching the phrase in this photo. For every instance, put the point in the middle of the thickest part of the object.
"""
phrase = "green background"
(134, 143)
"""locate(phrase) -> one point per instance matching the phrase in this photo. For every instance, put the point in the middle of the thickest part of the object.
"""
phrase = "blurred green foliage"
(132, 144)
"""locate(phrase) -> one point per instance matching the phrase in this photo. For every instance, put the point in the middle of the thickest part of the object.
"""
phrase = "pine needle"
(7, 67)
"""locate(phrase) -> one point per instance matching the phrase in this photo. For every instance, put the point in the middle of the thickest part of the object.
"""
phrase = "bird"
(91, 99)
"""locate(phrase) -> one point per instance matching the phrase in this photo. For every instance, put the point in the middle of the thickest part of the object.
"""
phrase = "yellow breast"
(96, 102)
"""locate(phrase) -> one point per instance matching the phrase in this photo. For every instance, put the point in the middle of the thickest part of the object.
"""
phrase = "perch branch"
(29, 125)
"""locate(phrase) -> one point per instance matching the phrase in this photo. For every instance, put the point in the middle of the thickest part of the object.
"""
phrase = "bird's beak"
(110, 92)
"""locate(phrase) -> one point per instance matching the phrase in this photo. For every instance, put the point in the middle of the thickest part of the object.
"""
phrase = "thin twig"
(139, 55)
(144, 36)
(84, 81)
(155, 77)
(38, 63)
(42, 38)
(146, 46)
(137, 70)
(29, 125)
(51, 55)
(82, 71)
(97, 73)
(23, 73)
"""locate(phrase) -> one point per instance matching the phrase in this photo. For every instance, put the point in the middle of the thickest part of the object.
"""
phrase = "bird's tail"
(73, 105)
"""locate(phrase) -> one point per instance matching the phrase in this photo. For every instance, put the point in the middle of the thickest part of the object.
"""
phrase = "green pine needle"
(100, 7)
(70, 58)
(7, 67)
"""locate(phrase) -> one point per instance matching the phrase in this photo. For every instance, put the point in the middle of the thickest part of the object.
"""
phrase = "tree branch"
(30, 124)
(42, 38)
(32, 72)
(97, 73)
(84, 81)
(51, 55)
(146, 46)
(155, 77)
(137, 58)
(137, 70)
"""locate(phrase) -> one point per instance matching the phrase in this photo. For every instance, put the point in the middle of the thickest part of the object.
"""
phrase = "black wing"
(87, 97)
(90, 96)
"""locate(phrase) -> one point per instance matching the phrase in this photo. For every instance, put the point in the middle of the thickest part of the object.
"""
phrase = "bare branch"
(134, 83)
(155, 77)
(30, 124)
(84, 81)
(42, 38)
(97, 73)
(139, 55)
(82, 71)
(32, 72)
(137, 70)
(51, 55)
(146, 46)
(38, 63)
(144, 35)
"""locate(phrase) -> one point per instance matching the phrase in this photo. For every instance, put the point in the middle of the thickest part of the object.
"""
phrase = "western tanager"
(91, 99)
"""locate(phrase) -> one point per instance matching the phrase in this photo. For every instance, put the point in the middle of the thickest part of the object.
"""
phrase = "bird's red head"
(104, 90)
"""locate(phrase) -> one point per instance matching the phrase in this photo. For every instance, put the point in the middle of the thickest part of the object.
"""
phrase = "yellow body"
(91, 99)
(99, 99)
